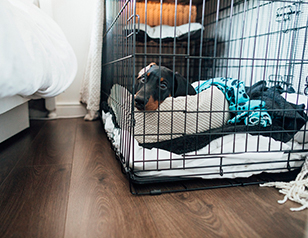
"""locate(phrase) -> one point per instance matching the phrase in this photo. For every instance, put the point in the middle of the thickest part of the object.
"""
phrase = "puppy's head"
(155, 84)
(153, 87)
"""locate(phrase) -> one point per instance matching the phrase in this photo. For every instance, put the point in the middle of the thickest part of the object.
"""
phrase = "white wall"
(75, 19)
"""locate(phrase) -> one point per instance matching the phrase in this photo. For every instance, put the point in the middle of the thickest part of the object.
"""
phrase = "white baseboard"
(68, 111)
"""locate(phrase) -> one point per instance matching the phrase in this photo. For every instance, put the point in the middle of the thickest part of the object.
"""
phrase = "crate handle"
(138, 29)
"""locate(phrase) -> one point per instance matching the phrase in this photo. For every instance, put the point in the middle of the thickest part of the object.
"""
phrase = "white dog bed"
(206, 110)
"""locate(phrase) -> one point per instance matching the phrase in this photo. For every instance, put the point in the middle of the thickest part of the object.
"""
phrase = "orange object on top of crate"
(168, 13)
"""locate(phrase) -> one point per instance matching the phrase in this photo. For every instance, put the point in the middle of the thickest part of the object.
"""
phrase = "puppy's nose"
(139, 103)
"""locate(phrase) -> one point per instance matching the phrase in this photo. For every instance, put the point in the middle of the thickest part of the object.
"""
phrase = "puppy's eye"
(142, 80)
(163, 85)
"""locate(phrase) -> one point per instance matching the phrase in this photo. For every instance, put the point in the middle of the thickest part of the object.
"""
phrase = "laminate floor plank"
(100, 204)
(261, 206)
(262, 215)
(13, 149)
(54, 144)
(195, 214)
(33, 202)
(61, 179)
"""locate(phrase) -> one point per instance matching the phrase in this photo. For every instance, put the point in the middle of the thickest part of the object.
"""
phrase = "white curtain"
(91, 84)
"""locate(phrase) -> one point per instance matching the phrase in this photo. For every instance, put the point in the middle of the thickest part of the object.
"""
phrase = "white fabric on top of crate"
(165, 32)
(242, 155)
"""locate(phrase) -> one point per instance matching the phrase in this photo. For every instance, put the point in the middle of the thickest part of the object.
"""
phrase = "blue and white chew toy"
(252, 112)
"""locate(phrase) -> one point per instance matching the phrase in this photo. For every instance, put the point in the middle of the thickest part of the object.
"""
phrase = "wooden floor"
(60, 179)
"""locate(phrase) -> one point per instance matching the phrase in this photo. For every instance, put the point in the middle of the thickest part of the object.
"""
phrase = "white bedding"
(249, 156)
(36, 60)
(241, 155)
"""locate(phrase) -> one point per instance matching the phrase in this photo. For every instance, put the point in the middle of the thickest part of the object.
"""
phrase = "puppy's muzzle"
(146, 104)
(140, 102)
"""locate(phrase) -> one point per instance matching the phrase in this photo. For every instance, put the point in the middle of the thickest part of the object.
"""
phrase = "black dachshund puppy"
(155, 84)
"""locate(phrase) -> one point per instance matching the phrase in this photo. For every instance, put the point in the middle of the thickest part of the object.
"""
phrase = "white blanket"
(165, 31)
(231, 156)
(35, 60)
(240, 155)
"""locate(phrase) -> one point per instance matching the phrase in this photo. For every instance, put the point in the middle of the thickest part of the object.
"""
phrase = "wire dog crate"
(247, 61)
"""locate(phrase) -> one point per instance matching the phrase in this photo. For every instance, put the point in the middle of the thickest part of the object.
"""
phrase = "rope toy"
(296, 190)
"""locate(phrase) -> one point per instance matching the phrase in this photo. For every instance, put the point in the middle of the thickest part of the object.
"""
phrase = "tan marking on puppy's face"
(145, 69)
(152, 105)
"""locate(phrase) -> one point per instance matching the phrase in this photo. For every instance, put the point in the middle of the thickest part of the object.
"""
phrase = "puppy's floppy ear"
(145, 69)
(180, 85)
